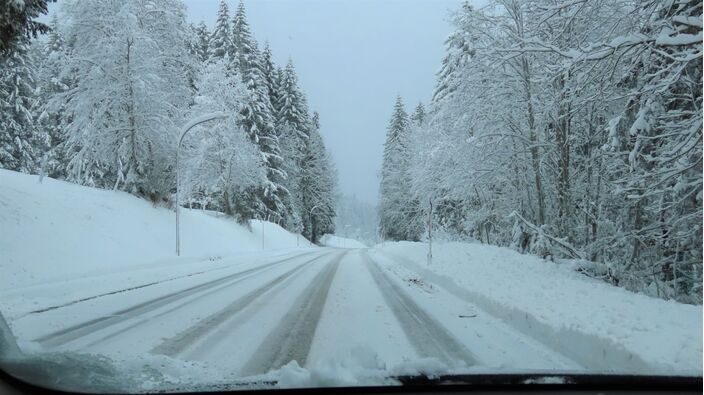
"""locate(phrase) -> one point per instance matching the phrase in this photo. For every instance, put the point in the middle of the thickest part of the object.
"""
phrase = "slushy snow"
(586, 319)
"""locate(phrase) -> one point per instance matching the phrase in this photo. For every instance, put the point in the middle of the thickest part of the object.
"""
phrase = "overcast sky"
(352, 58)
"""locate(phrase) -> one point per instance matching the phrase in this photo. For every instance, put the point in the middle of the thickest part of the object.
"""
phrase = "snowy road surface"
(318, 306)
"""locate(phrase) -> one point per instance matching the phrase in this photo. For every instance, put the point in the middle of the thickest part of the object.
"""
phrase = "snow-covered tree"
(418, 116)
(200, 44)
(18, 24)
(257, 119)
(292, 126)
(220, 41)
(398, 212)
(269, 71)
(568, 129)
(219, 159)
(242, 51)
(51, 116)
(318, 185)
(131, 93)
(18, 143)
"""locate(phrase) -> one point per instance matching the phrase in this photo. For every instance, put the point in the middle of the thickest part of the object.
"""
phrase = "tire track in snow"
(143, 320)
(587, 351)
(149, 284)
(292, 338)
(427, 335)
(49, 308)
(178, 343)
(71, 333)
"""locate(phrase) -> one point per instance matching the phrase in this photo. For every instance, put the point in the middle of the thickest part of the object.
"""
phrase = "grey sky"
(352, 58)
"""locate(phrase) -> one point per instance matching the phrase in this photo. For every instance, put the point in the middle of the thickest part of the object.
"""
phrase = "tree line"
(566, 129)
(100, 99)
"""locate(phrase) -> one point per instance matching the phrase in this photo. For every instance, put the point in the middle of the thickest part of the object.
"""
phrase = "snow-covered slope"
(340, 242)
(587, 319)
(55, 230)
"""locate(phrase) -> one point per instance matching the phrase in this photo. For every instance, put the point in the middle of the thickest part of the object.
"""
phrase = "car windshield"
(203, 195)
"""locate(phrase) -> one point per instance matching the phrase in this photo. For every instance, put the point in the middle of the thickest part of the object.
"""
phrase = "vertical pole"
(178, 207)
(430, 232)
(186, 129)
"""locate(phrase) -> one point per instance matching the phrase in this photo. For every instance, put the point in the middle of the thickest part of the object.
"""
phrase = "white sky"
(352, 58)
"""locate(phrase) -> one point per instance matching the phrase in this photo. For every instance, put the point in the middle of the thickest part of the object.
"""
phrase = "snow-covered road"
(316, 307)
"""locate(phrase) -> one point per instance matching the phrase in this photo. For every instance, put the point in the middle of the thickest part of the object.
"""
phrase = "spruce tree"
(292, 126)
(220, 43)
(318, 183)
(17, 23)
(269, 71)
(201, 42)
(397, 214)
(17, 97)
(257, 119)
(242, 52)
(51, 116)
(418, 116)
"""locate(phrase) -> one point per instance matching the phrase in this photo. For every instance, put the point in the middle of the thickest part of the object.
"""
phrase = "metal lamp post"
(186, 128)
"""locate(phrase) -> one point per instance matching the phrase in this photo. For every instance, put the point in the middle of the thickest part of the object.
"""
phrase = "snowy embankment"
(590, 321)
(56, 231)
(340, 242)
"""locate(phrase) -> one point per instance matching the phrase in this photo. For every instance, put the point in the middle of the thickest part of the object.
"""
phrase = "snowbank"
(57, 230)
(594, 323)
(340, 242)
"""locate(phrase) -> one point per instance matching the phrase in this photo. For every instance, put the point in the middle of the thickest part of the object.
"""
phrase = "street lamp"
(186, 128)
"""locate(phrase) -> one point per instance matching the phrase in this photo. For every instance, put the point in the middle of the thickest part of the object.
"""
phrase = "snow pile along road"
(54, 231)
(592, 322)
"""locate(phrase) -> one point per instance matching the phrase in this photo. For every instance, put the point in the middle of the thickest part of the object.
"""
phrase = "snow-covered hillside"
(55, 230)
(586, 319)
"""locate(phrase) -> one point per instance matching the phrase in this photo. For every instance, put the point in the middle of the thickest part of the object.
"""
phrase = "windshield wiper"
(571, 380)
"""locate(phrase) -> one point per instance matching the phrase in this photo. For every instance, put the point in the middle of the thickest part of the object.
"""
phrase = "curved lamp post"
(187, 128)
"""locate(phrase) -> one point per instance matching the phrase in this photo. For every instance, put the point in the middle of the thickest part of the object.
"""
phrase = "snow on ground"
(54, 231)
(89, 279)
(588, 320)
(340, 242)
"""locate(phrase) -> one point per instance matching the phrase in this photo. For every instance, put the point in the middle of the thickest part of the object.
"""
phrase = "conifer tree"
(418, 116)
(318, 183)
(51, 115)
(395, 188)
(17, 97)
(257, 119)
(18, 24)
(269, 71)
(201, 42)
(242, 51)
(220, 42)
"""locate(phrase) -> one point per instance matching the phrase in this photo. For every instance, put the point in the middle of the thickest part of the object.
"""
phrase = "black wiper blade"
(612, 381)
